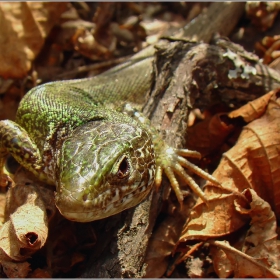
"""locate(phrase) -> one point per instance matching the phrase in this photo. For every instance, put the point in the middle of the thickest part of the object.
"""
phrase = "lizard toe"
(172, 162)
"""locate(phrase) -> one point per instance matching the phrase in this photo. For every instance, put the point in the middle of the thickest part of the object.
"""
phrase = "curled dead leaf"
(254, 161)
(28, 210)
(26, 228)
(253, 109)
(250, 178)
(214, 130)
(32, 222)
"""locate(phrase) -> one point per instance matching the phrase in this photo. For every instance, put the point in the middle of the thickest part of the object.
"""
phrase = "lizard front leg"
(172, 161)
(15, 140)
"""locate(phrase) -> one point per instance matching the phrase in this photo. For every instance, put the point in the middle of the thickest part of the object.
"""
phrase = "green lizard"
(84, 137)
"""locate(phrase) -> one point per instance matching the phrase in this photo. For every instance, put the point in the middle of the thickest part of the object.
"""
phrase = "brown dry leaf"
(220, 217)
(68, 244)
(80, 35)
(32, 218)
(273, 52)
(230, 262)
(127, 32)
(250, 178)
(262, 14)
(214, 130)
(39, 273)
(211, 133)
(17, 197)
(160, 247)
(253, 109)
(164, 239)
(24, 27)
(269, 50)
(261, 241)
(275, 64)
(30, 222)
(100, 42)
(2, 207)
(252, 163)
(85, 43)
(26, 227)
(9, 244)
(15, 270)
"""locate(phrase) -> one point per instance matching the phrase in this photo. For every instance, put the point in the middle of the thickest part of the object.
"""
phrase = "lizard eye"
(124, 167)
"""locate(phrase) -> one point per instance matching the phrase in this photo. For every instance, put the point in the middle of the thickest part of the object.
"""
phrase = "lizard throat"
(106, 204)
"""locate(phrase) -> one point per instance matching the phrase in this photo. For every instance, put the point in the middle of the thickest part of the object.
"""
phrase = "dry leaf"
(24, 27)
(214, 130)
(269, 49)
(252, 166)
(254, 161)
(39, 273)
(68, 244)
(262, 14)
(85, 43)
(220, 217)
(230, 262)
(160, 247)
(15, 270)
(164, 239)
(261, 241)
(26, 229)
(28, 209)
(211, 133)
(253, 109)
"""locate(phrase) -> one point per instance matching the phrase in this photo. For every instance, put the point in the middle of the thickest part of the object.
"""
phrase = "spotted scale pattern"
(89, 186)
(102, 158)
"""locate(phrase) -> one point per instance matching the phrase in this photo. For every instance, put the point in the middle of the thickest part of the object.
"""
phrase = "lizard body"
(102, 155)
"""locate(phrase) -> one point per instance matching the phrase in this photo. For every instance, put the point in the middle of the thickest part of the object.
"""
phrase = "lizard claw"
(172, 162)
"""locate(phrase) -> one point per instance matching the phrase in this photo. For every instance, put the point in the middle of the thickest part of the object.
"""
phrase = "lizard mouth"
(105, 205)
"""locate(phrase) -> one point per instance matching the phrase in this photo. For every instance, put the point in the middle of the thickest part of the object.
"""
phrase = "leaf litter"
(247, 202)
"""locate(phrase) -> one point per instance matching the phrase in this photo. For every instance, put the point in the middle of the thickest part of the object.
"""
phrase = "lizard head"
(103, 169)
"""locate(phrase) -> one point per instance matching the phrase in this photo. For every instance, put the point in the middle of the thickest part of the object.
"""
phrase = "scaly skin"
(102, 155)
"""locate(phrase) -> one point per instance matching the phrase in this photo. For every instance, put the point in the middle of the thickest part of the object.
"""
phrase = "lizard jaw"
(100, 207)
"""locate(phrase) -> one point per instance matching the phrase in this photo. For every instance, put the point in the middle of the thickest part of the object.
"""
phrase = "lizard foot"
(172, 161)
